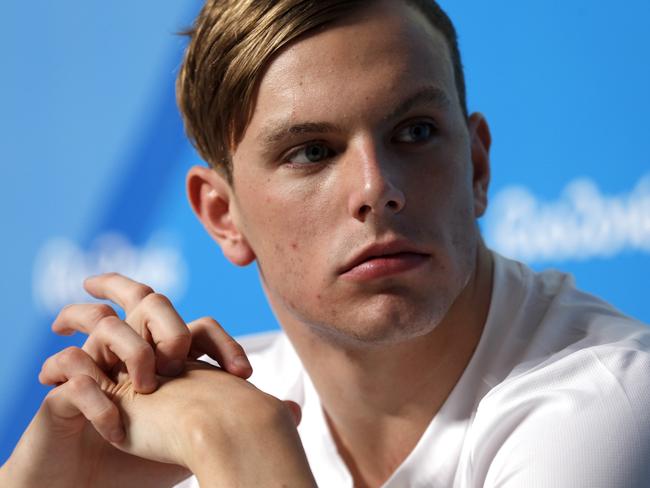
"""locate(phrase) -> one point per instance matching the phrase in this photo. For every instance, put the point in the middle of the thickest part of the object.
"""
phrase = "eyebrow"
(277, 132)
(428, 95)
(431, 95)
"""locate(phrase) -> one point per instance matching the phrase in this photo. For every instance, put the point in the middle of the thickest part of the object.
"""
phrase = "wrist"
(30, 464)
(266, 452)
(23, 476)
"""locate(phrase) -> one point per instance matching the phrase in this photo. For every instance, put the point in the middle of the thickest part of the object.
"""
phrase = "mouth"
(384, 259)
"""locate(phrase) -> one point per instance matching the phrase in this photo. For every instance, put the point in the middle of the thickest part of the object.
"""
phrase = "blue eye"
(310, 153)
(418, 132)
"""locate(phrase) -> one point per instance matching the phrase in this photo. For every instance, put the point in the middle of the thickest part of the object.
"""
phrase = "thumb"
(296, 411)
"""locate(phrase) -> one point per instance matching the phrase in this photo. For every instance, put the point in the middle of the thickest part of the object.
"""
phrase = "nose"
(375, 185)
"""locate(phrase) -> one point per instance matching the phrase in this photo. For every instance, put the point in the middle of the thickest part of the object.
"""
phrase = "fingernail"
(296, 411)
(149, 385)
(241, 362)
(117, 435)
(173, 368)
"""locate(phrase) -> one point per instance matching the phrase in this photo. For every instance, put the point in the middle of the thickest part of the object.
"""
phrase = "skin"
(105, 426)
(303, 220)
(383, 353)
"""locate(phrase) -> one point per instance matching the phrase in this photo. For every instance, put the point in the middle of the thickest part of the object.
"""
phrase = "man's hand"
(68, 441)
(217, 425)
(152, 337)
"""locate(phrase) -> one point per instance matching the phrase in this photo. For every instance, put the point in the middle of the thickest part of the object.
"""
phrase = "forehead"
(369, 59)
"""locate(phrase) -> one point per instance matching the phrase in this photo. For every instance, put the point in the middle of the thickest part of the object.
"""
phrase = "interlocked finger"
(114, 341)
(155, 317)
(81, 395)
(119, 289)
(71, 362)
(151, 315)
(82, 317)
(208, 337)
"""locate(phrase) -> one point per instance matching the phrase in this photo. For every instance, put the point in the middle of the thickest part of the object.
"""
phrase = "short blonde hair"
(232, 41)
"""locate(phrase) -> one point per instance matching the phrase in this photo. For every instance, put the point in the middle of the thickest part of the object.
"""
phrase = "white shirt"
(556, 395)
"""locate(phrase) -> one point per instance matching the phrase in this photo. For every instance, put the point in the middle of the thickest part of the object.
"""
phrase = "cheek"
(286, 233)
(442, 190)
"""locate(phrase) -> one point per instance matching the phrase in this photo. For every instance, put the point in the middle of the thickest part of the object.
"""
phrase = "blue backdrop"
(94, 157)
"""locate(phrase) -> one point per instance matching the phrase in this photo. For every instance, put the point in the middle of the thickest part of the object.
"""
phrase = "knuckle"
(183, 334)
(156, 300)
(181, 339)
(71, 355)
(52, 397)
(209, 322)
(142, 353)
(142, 292)
(108, 323)
(106, 416)
(206, 323)
(98, 311)
(79, 384)
(270, 411)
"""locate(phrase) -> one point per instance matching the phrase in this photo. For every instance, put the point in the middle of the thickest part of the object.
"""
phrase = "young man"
(344, 162)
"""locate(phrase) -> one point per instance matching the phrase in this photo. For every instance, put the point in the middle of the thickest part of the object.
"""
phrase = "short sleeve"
(581, 423)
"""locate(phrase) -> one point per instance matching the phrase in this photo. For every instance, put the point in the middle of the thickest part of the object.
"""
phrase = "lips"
(382, 259)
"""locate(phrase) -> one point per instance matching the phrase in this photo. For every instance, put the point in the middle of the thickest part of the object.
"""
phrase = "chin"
(386, 323)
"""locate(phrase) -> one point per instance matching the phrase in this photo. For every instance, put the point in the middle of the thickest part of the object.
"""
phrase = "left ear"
(211, 198)
(481, 139)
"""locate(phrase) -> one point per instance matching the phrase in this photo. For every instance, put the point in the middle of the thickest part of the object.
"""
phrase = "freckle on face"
(294, 246)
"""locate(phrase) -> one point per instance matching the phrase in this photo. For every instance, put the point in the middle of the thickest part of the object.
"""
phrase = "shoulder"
(580, 421)
(569, 389)
(538, 318)
(580, 418)
(586, 425)
(616, 372)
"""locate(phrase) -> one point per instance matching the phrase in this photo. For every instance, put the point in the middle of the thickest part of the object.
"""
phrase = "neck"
(378, 401)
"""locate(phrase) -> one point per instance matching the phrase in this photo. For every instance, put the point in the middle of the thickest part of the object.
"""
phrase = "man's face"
(358, 139)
